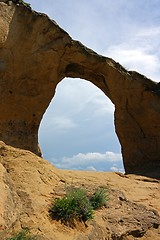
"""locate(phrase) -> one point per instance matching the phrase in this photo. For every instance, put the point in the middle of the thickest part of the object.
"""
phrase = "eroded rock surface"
(29, 184)
(36, 54)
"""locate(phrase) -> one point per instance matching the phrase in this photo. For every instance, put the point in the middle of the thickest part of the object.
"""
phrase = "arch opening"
(77, 130)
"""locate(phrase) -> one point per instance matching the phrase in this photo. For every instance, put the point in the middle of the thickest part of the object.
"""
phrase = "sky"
(77, 131)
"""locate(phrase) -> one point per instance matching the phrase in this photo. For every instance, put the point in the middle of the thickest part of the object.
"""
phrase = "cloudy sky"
(77, 130)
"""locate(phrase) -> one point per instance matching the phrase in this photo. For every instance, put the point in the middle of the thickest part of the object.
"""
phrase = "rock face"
(29, 184)
(36, 54)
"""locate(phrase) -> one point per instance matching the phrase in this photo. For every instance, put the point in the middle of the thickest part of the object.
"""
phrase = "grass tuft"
(74, 206)
(77, 205)
(99, 198)
(22, 235)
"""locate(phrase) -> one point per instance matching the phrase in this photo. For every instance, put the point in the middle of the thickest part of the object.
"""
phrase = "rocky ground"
(29, 184)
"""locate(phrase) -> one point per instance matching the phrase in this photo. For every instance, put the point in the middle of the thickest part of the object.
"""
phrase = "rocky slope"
(36, 54)
(29, 184)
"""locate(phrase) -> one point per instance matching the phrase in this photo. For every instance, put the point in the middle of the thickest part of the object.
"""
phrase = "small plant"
(74, 206)
(24, 3)
(21, 2)
(22, 235)
(99, 198)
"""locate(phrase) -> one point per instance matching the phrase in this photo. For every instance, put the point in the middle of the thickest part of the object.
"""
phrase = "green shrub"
(21, 2)
(99, 198)
(74, 206)
(24, 3)
(23, 235)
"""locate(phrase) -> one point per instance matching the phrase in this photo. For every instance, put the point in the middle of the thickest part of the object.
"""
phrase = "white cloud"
(114, 169)
(149, 33)
(140, 53)
(62, 123)
(137, 59)
(91, 168)
(78, 95)
(76, 103)
(89, 161)
(92, 157)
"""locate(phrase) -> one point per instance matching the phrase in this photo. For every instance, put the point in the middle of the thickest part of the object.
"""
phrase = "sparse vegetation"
(24, 3)
(21, 2)
(99, 198)
(74, 206)
(22, 235)
(77, 205)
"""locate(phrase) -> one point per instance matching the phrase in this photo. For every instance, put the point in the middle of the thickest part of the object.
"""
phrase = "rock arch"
(36, 54)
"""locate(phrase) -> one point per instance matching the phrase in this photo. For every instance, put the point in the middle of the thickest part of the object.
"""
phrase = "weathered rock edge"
(36, 54)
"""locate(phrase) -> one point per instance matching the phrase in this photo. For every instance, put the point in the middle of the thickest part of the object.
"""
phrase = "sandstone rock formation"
(36, 54)
(29, 184)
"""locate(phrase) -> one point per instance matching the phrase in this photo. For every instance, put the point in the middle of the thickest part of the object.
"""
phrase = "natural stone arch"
(36, 54)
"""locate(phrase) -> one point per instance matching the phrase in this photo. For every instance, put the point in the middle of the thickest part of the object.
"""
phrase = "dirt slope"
(29, 183)
(36, 54)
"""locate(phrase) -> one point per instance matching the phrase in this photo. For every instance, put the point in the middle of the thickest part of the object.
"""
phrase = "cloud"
(78, 95)
(91, 169)
(140, 53)
(116, 168)
(61, 123)
(137, 59)
(77, 104)
(80, 118)
(89, 161)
